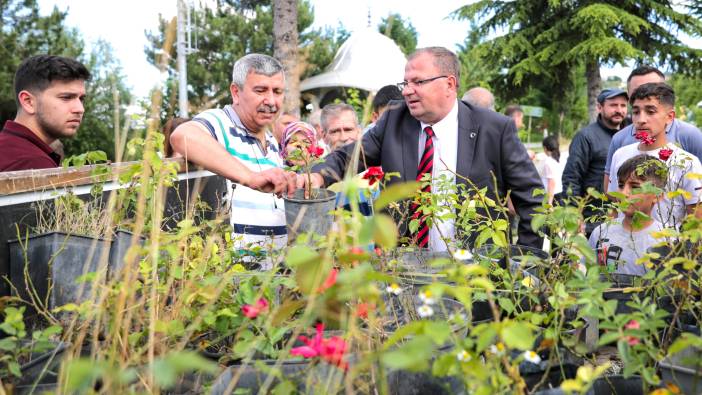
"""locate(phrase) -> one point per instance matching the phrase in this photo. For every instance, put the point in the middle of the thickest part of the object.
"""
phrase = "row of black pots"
(321, 377)
(607, 385)
(53, 261)
(39, 373)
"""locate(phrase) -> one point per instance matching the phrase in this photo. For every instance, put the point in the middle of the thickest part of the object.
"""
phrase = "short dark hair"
(385, 95)
(445, 60)
(660, 90)
(36, 73)
(643, 70)
(644, 168)
(513, 108)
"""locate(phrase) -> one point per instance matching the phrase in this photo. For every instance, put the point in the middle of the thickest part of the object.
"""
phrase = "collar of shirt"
(270, 140)
(19, 130)
(446, 135)
(445, 157)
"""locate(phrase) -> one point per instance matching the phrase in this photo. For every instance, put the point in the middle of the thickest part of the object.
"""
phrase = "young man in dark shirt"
(49, 91)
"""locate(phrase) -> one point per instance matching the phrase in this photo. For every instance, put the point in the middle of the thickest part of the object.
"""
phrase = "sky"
(123, 23)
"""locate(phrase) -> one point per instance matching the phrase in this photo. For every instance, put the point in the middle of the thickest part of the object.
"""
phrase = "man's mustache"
(270, 108)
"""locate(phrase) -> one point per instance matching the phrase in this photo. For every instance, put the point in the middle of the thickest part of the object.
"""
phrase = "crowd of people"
(420, 130)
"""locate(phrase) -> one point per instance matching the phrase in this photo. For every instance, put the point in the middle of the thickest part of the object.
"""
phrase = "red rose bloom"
(315, 151)
(331, 350)
(329, 281)
(665, 153)
(644, 138)
(252, 311)
(374, 174)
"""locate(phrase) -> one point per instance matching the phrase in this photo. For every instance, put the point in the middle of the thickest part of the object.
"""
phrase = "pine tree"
(552, 38)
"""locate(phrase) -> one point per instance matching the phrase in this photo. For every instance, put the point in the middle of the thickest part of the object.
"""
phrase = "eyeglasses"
(404, 84)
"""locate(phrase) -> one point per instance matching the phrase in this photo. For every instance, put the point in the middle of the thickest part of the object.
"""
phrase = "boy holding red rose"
(653, 108)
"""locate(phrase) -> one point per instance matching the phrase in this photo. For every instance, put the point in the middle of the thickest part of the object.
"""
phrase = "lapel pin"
(472, 135)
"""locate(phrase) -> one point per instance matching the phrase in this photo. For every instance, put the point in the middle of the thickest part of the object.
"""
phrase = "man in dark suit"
(449, 136)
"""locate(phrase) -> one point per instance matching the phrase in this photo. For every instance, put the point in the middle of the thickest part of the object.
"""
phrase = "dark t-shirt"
(21, 149)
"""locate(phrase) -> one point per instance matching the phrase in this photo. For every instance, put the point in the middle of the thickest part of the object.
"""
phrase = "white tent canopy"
(368, 60)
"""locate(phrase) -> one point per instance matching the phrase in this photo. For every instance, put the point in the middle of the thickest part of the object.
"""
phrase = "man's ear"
(670, 116)
(599, 107)
(234, 90)
(27, 102)
(453, 82)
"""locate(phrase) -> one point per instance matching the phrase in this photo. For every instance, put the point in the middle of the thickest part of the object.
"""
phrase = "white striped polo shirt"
(256, 217)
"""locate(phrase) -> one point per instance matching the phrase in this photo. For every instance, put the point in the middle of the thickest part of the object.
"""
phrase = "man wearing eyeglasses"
(433, 135)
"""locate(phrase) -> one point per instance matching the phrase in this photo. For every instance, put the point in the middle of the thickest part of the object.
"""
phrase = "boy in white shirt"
(622, 241)
(653, 108)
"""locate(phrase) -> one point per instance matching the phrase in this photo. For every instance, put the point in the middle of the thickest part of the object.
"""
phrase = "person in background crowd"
(622, 242)
(168, 129)
(588, 153)
(515, 112)
(653, 109)
(687, 135)
(339, 125)
(49, 92)
(234, 142)
(381, 101)
(315, 119)
(433, 133)
(552, 168)
(285, 119)
(480, 97)
(297, 136)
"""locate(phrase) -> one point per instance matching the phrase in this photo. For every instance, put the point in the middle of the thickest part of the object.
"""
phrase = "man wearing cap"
(588, 150)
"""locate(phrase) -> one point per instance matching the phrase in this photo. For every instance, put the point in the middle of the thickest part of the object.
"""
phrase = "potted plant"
(52, 267)
(28, 364)
(308, 210)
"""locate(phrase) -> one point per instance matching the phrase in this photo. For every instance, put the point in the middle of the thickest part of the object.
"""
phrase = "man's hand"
(317, 181)
(277, 181)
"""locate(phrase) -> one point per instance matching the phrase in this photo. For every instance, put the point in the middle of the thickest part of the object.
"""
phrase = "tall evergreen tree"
(552, 38)
(401, 31)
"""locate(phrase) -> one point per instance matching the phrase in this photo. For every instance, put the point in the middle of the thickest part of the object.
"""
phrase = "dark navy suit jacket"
(487, 145)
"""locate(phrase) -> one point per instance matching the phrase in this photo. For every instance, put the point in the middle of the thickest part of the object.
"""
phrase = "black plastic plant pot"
(619, 282)
(40, 373)
(404, 382)
(684, 369)
(51, 265)
(121, 243)
(309, 215)
(306, 375)
(533, 374)
(608, 385)
(618, 385)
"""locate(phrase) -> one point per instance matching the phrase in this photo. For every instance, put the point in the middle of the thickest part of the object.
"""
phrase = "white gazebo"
(367, 60)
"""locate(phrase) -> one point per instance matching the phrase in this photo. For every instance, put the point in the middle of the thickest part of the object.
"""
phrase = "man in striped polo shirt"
(234, 142)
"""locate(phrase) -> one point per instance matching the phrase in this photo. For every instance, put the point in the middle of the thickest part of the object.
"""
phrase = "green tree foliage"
(401, 31)
(225, 33)
(24, 33)
(536, 40)
(474, 71)
(688, 93)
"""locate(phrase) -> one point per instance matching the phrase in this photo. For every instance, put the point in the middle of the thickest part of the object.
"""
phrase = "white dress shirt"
(445, 155)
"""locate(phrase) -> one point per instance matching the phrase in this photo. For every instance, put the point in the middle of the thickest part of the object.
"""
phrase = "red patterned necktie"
(426, 166)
